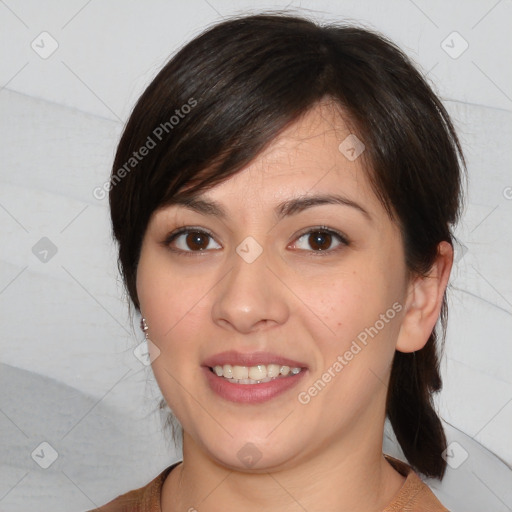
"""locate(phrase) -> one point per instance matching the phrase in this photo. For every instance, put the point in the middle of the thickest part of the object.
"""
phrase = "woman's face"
(264, 276)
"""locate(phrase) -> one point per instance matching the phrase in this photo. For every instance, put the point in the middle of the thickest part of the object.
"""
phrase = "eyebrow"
(284, 209)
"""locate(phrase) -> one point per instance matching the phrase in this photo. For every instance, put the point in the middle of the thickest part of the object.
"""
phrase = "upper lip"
(233, 357)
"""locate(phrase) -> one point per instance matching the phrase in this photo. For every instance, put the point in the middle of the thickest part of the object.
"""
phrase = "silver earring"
(144, 327)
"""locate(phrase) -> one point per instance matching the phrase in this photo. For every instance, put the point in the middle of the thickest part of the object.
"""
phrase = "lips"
(233, 357)
(234, 390)
(251, 393)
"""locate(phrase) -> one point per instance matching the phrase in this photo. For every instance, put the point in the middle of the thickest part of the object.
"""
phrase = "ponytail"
(414, 378)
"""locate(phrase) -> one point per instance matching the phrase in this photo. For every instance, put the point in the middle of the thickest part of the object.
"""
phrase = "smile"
(252, 391)
(260, 373)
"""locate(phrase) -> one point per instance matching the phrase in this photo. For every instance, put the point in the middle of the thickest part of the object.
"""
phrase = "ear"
(424, 301)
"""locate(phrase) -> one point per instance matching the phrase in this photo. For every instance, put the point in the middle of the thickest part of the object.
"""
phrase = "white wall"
(66, 319)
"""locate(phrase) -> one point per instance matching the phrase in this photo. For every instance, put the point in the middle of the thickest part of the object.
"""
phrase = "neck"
(344, 475)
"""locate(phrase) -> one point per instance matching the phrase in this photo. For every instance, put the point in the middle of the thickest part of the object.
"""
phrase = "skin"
(296, 301)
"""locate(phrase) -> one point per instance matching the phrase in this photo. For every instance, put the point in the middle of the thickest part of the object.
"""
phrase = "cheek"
(172, 306)
(356, 318)
(167, 297)
(353, 362)
(340, 302)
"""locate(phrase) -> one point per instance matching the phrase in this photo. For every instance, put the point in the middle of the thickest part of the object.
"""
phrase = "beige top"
(414, 495)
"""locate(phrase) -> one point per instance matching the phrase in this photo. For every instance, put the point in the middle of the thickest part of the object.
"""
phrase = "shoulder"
(143, 499)
(415, 495)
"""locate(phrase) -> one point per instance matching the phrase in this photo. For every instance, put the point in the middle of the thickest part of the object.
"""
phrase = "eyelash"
(344, 242)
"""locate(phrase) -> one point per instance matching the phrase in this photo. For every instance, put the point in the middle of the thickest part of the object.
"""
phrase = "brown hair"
(229, 92)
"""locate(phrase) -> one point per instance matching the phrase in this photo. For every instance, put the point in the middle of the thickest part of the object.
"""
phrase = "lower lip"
(251, 393)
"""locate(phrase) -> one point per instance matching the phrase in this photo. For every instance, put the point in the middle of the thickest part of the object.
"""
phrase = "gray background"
(68, 373)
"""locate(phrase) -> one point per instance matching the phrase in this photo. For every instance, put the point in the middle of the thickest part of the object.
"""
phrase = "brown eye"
(320, 240)
(197, 241)
(191, 240)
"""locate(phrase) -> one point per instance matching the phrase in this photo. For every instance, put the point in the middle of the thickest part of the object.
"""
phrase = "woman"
(283, 197)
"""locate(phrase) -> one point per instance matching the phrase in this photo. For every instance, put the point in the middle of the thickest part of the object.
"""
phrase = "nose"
(250, 298)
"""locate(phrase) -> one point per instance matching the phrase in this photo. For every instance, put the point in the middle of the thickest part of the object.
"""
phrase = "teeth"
(254, 374)
(240, 372)
(273, 370)
(257, 372)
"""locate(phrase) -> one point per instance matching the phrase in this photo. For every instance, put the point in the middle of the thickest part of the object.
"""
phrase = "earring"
(144, 327)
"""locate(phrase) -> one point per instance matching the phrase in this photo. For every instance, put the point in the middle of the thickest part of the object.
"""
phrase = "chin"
(254, 452)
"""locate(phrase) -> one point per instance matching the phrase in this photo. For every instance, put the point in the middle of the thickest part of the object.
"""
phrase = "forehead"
(314, 154)
(305, 166)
